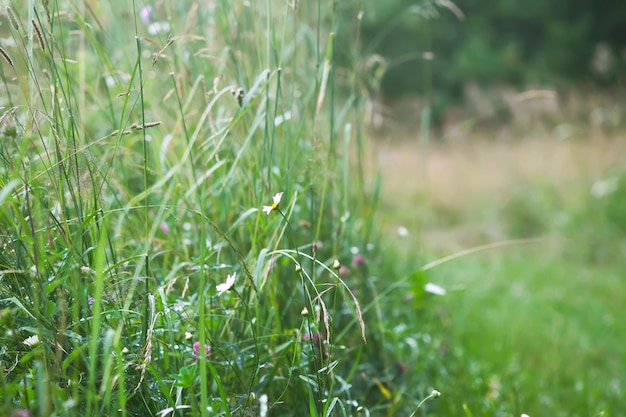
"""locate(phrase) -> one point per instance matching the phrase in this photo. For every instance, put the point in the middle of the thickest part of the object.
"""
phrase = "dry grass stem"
(158, 55)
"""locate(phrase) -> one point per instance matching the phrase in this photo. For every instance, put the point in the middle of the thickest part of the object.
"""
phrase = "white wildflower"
(275, 203)
(31, 341)
(230, 281)
(434, 289)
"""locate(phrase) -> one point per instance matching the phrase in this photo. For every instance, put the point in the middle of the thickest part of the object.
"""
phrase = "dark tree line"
(533, 42)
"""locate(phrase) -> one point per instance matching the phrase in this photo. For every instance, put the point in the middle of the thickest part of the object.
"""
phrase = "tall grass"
(186, 228)
(139, 275)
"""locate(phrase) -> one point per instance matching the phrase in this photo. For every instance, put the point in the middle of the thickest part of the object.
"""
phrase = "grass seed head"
(39, 35)
(12, 18)
(6, 56)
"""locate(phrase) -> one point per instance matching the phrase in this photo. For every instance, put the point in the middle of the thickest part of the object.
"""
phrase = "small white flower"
(403, 231)
(31, 341)
(275, 203)
(434, 289)
(305, 312)
(525, 415)
(188, 336)
(87, 271)
(158, 27)
(435, 393)
(604, 187)
(230, 281)
(263, 405)
(125, 350)
(278, 120)
(336, 264)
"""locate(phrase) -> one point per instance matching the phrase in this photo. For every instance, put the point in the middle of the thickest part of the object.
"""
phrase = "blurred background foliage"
(444, 46)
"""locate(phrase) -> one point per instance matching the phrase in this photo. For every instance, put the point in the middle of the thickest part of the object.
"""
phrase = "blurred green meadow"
(197, 219)
(528, 241)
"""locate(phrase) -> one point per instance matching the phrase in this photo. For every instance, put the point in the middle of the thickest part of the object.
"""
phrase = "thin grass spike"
(6, 56)
(39, 35)
(13, 18)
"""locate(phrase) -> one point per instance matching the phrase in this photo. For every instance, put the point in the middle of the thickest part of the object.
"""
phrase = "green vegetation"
(534, 331)
(558, 44)
(531, 319)
(188, 227)
(140, 275)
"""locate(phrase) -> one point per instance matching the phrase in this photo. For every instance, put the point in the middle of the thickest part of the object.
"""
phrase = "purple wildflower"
(358, 260)
(196, 350)
(146, 14)
(90, 301)
(315, 338)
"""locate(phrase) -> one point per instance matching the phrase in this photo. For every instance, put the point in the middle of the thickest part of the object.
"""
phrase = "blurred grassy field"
(532, 328)
(453, 195)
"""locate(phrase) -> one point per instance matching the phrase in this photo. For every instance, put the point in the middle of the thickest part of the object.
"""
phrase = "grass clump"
(139, 272)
